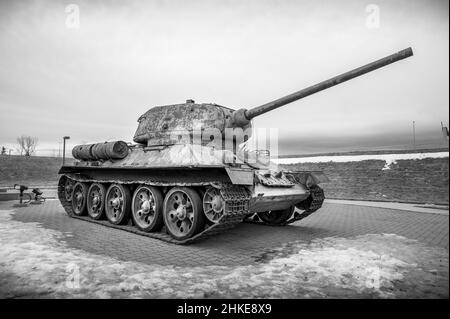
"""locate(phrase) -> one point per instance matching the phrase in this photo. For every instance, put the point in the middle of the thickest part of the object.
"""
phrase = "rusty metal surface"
(273, 179)
(181, 155)
(176, 177)
(309, 205)
(265, 198)
(162, 125)
(240, 176)
(101, 151)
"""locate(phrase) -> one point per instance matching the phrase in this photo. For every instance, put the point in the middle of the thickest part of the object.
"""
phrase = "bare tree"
(27, 144)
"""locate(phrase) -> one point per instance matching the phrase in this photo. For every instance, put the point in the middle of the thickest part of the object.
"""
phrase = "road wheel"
(183, 213)
(213, 205)
(277, 217)
(96, 201)
(147, 208)
(79, 196)
(68, 188)
(118, 204)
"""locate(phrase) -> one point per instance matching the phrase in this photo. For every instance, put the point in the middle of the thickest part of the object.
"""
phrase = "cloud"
(92, 83)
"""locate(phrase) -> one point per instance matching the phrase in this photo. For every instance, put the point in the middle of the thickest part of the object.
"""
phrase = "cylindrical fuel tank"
(110, 150)
(83, 152)
(101, 151)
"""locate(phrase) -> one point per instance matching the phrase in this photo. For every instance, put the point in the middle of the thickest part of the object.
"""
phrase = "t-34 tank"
(186, 177)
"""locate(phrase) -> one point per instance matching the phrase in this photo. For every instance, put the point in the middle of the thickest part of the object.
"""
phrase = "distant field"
(32, 171)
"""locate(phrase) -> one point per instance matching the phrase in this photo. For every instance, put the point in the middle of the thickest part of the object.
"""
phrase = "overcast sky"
(94, 81)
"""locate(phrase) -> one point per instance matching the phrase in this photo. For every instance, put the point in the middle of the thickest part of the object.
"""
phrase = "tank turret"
(161, 125)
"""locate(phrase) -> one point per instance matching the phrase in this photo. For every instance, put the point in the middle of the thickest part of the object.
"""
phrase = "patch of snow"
(35, 261)
(388, 158)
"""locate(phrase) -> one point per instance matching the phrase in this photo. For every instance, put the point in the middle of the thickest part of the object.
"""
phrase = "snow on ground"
(36, 262)
(388, 158)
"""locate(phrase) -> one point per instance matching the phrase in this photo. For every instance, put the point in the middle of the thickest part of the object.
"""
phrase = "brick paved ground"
(243, 244)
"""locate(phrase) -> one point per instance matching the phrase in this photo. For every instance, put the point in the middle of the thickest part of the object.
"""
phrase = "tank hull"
(262, 198)
(245, 191)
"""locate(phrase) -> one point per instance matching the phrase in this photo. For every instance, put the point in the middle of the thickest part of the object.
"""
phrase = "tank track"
(315, 201)
(236, 208)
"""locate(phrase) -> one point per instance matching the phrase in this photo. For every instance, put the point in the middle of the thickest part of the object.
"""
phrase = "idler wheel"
(96, 201)
(277, 217)
(213, 205)
(118, 204)
(147, 208)
(183, 213)
(79, 196)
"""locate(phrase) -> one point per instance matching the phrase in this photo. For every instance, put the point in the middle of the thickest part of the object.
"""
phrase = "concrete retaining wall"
(424, 181)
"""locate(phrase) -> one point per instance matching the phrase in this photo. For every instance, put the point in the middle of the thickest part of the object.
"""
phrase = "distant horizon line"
(336, 153)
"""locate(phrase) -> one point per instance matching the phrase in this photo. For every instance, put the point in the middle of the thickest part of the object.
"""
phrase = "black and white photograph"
(224, 154)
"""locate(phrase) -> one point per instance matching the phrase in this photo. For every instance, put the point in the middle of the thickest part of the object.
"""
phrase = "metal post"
(414, 135)
(64, 147)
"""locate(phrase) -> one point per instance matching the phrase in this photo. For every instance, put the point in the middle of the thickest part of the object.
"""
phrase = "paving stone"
(241, 245)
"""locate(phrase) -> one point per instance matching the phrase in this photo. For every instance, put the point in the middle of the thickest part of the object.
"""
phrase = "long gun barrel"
(242, 117)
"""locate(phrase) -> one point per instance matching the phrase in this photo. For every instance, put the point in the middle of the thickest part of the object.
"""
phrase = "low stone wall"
(30, 171)
(416, 181)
